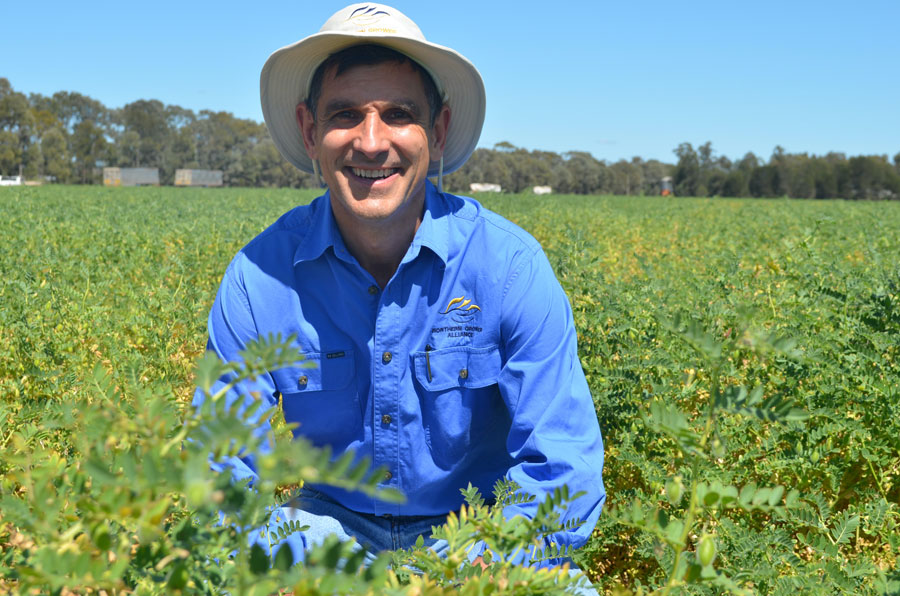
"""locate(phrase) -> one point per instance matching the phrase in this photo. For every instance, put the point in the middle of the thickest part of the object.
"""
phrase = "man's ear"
(439, 133)
(307, 125)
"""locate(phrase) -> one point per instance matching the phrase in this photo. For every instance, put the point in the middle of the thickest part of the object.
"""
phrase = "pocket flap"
(462, 366)
(318, 371)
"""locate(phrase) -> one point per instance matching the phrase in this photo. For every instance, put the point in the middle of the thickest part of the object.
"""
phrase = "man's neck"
(380, 246)
(380, 253)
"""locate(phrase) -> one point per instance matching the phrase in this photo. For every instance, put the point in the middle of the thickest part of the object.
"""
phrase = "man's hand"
(480, 562)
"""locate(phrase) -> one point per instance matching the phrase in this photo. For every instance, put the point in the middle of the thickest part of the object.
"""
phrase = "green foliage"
(125, 498)
(801, 176)
(128, 502)
(63, 138)
(742, 353)
(507, 541)
(696, 446)
(734, 348)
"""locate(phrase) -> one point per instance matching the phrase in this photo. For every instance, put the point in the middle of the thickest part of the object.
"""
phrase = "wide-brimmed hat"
(286, 76)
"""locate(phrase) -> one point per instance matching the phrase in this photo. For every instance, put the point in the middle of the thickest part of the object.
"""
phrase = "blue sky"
(617, 79)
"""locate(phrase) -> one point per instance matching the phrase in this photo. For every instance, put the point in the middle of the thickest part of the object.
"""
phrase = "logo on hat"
(367, 15)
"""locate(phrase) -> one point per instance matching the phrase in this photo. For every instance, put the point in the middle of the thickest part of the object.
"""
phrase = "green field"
(743, 353)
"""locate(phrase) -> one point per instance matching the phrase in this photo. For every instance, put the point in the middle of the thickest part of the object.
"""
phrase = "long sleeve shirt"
(462, 369)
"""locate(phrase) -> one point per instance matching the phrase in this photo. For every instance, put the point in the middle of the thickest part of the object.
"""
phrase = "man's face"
(374, 143)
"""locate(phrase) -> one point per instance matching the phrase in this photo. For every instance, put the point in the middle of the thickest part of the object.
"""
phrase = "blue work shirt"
(462, 369)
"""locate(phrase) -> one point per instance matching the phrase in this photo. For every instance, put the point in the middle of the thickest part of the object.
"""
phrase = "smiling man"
(374, 134)
(444, 346)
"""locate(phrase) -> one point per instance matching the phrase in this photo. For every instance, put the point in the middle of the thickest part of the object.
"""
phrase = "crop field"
(743, 355)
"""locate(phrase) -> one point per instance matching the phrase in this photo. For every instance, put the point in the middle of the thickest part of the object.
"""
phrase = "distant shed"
(198, 178)
(485, 187)
(542, 190)
(130, 176)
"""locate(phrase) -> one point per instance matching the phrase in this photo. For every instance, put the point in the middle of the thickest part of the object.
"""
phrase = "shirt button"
(302, 381)
(386, 357)
(386, 419)
(373, 290)
(388, 476)
(464, 373)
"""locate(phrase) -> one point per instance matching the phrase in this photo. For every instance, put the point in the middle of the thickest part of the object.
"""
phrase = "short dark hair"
(371, 55)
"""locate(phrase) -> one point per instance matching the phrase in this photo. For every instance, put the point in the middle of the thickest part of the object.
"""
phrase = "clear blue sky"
(617, 79)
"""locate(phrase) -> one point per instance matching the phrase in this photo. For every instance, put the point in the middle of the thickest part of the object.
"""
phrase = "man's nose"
(373, 135)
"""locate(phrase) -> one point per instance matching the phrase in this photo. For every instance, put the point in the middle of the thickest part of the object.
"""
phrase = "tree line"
(798, 175)
(68, 137)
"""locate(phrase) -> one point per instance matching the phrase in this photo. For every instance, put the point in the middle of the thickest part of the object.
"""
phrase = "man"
(444, 346)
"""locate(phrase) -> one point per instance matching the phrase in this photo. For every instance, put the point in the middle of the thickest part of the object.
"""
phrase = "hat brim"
(285, 79)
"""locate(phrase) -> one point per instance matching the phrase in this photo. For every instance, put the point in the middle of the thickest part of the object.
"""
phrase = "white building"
(484, 187)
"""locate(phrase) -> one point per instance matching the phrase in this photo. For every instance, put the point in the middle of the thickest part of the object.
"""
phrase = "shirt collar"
(434, 231)
(322, 231)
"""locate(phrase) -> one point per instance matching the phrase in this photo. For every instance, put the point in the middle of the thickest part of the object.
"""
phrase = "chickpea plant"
(126, 501)
(696, 502)
(102, 320)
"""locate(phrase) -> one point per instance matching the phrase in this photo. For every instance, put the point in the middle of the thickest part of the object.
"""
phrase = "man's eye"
(344, 118)
(398, 115)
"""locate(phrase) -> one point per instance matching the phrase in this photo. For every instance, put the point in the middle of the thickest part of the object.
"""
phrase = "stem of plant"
(692, 509)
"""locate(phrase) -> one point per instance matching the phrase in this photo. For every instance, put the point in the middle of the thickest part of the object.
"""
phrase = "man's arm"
(555, 436)
(231, 327)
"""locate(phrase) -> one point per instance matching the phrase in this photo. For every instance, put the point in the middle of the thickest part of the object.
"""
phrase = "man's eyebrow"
(336, 105)
(410, 105)
(404, 103)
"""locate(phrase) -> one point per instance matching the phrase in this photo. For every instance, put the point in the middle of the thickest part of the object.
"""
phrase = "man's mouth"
(374, 174)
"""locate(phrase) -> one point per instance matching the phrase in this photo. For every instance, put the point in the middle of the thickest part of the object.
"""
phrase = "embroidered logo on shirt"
(461, 310)
(460, 304)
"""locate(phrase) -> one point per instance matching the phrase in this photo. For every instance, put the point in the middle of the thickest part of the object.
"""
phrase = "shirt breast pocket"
(322, 398)
(462, 410)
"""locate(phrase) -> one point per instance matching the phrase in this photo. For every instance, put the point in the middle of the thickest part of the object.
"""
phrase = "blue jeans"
(375, 534)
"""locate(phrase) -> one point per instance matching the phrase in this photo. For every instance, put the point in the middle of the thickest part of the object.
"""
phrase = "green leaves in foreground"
(508, 540)
(123, 499)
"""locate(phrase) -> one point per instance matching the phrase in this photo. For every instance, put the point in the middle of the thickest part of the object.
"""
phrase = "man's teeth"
(377, 174)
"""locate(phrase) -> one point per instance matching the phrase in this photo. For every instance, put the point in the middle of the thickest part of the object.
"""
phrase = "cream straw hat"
(286, 76)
